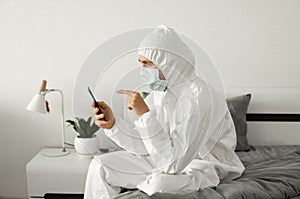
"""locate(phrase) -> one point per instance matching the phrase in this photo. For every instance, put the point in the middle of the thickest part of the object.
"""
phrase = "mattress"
(271, 172)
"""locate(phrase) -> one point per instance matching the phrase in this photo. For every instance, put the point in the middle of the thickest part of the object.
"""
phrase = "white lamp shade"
(37, 104)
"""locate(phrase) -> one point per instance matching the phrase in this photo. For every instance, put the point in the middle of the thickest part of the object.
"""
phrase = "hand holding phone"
(95, 103)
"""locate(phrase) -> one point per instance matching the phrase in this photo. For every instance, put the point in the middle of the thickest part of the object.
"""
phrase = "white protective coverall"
(184, 143)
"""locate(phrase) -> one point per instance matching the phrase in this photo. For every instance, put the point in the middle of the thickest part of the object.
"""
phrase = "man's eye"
(146, 63)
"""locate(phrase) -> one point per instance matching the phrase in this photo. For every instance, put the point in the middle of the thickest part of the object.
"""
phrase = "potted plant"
(86, 143)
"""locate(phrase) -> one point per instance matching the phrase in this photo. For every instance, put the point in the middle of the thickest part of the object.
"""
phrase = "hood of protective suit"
(176, 61)
(170, 54)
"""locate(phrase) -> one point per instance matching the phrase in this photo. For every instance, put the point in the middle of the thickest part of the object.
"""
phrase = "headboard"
(272, 117)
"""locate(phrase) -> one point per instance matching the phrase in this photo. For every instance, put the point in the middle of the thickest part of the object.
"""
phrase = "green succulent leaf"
(89, 120)
(72, 123)
(95, 128)
(86, 128)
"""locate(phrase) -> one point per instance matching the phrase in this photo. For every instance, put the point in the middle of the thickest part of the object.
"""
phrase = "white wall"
(255, 44)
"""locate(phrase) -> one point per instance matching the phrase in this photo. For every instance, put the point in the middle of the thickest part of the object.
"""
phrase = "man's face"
(149, 64)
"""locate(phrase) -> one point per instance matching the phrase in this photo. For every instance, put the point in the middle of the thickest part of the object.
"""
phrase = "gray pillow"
(238, 107)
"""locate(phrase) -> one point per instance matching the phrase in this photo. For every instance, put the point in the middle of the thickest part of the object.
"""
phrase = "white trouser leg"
(197, 175)
(108, 172)
(96, 186)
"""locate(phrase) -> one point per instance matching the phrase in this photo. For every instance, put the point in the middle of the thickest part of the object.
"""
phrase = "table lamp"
(40, 105)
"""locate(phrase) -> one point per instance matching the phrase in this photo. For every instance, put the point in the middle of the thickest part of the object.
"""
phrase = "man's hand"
(135, 102)
(106, 113)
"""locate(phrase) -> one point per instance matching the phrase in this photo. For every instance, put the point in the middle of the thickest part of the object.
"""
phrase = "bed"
(271, 172)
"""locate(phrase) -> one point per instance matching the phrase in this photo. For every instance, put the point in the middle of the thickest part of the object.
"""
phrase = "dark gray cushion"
(238, 107)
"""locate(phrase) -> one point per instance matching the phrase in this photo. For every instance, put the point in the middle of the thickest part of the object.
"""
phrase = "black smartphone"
(95, 102)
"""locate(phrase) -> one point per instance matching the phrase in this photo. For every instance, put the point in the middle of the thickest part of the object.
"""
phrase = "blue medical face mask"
(151, 76)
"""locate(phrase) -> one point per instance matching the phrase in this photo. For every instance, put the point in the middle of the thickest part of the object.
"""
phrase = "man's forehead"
(142, 58)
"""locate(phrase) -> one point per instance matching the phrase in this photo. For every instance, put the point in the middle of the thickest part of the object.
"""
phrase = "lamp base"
(54, 152)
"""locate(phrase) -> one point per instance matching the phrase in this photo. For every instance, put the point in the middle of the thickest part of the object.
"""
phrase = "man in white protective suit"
(184, 137)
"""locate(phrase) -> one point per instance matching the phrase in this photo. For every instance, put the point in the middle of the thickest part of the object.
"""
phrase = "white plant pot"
(86, 147)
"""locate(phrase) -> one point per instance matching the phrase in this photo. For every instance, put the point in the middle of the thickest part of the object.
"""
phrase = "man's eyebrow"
(150, 62)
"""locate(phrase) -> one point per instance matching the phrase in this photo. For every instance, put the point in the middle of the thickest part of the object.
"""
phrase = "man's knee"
(101, 160)
(96, 167)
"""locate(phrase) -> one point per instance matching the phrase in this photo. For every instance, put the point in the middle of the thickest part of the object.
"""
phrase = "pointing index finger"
(127, 92)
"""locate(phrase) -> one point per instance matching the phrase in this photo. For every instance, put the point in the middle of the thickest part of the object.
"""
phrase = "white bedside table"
(65, 174)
